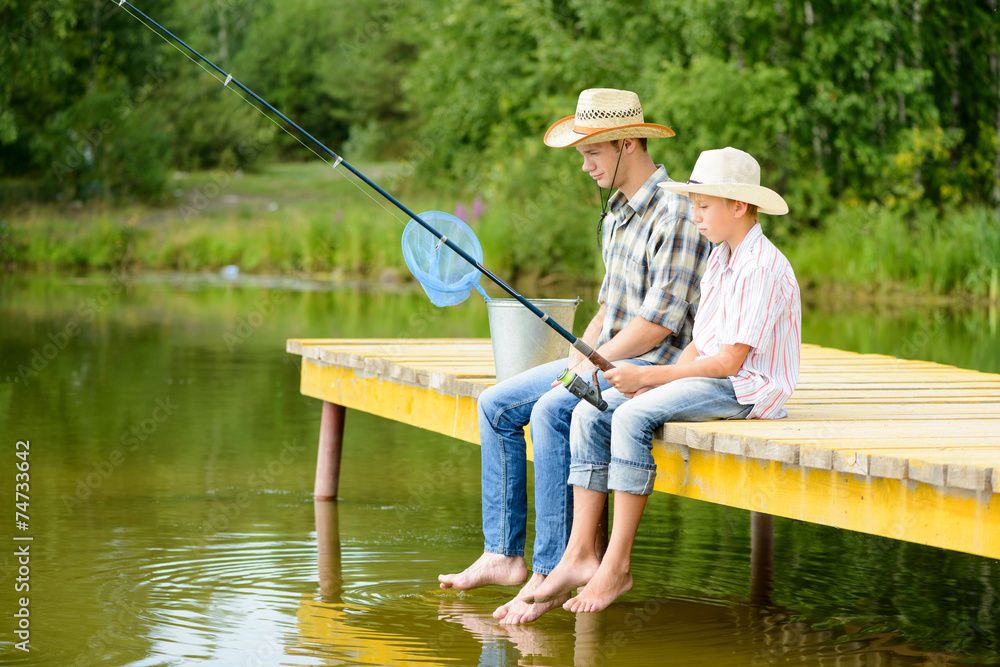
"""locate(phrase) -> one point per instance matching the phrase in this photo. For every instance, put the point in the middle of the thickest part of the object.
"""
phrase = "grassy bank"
(875, 251)
(308, 219)
(289, 218)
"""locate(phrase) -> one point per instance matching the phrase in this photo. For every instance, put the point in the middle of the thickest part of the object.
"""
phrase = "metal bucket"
(521, 340)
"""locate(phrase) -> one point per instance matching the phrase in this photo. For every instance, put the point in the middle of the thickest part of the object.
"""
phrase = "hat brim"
(562, 134)
(766, 200)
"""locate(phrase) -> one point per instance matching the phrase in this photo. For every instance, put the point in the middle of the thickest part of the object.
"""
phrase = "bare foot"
(605, 587)
(517, 611)
(532, 584)
(571, 572)
(488, 570)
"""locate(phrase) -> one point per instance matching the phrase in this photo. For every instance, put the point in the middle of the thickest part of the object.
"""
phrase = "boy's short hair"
(642, 143)
(751, 208)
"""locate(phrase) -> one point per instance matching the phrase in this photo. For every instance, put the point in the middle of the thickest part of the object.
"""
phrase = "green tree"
(78, 100)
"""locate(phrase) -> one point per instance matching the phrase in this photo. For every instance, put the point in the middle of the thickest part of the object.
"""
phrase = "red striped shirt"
(751, 297)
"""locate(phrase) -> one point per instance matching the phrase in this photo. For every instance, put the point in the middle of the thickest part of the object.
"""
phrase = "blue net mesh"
(446, 277)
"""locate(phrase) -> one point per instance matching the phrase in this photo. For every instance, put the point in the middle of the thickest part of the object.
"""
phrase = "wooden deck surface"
(905, 449)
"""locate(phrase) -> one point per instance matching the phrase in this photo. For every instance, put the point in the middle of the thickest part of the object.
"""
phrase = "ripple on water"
(268, 599)
(246, 597)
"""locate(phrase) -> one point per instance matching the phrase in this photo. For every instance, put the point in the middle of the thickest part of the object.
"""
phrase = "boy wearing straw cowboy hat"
(743, 363)
(654, 259)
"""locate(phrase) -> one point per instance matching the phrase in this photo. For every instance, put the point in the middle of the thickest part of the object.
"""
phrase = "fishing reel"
(579, 388)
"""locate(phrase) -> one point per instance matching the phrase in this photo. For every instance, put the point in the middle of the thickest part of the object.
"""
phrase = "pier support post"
(331, 584)
(331, 441)
(761, 557)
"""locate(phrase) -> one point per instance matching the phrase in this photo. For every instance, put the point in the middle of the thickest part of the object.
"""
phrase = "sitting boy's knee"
(555, 404)
(585, 414)
(626, 418)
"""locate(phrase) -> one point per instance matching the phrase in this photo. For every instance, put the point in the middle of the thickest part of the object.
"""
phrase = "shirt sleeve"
(673, 270)
(752, 309)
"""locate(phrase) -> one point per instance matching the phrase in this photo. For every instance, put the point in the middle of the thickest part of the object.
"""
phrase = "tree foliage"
(891, 101)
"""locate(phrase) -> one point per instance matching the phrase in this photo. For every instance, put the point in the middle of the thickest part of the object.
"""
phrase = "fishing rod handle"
(592, 355)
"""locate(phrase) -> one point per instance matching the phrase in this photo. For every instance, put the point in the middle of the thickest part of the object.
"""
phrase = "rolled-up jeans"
(611, 450)
(504, 410)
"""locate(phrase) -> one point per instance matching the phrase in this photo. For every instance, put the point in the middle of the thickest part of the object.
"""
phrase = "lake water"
(171, 464)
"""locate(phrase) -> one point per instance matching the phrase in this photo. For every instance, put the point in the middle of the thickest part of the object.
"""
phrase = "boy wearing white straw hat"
(742, 363)
(654, 259)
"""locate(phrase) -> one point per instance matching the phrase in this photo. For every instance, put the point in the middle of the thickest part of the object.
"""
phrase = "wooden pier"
(903, 449)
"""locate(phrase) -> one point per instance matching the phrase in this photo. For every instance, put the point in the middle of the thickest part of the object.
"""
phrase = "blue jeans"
(504, 410)
(611, 450)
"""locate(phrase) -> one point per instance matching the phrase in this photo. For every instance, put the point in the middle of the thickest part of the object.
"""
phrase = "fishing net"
(446, 276)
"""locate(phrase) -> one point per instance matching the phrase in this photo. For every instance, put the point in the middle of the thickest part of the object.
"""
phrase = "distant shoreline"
(303, 221)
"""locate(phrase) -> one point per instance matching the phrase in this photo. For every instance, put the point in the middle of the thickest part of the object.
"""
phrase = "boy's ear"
(740, 209)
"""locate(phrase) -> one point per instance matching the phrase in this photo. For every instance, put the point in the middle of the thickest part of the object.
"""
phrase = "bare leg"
(518, 611)
(614, 576)
(579, 561)
(488, 570)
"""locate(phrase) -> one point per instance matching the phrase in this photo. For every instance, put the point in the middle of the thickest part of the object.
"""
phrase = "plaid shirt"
(654, 258)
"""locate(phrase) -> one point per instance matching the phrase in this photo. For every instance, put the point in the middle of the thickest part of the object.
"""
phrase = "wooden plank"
(906, 449)
(423, 407)
(837, 412)
(882, 374)
(901, 509)
(846, 397)
(911, 386)
(702, 435)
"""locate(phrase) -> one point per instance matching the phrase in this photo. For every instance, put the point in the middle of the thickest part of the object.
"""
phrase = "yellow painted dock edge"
(967, 521)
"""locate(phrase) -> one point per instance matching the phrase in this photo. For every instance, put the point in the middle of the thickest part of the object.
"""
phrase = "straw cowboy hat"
(732, 174)
(603, 114)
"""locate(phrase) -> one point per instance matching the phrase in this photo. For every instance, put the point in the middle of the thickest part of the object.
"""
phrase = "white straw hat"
(604, 114)
(732, 174)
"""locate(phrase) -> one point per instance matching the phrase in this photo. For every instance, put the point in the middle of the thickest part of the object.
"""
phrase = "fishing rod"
(576, 385)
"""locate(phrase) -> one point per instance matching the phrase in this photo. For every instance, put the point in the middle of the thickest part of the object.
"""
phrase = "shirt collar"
(721, 256)
(744, 249)
(642, 198)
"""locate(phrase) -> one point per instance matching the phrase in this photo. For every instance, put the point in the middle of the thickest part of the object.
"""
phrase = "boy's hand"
(641, 390)
(626, 378)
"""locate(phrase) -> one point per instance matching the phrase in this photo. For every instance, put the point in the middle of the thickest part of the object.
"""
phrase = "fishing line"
(605, 209)
(253, 106)
(571, 381)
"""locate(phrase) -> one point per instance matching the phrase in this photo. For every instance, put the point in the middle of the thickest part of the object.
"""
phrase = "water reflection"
(630, 633)
(173, 517)
(685, 633)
